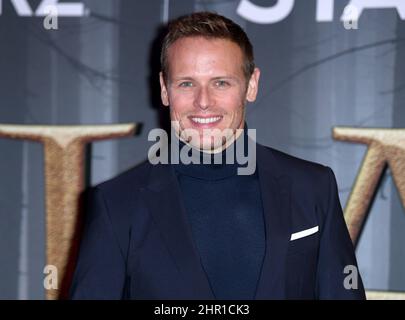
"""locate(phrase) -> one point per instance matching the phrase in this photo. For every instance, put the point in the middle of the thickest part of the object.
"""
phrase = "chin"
(208, 146)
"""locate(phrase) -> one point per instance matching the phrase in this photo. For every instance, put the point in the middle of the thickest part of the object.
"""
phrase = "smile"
(206, 120)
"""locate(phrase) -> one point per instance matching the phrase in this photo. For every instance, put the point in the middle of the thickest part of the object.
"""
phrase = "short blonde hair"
(207, 25)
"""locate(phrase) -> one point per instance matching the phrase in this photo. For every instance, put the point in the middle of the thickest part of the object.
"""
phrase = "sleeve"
(100, 269)
(338, 276)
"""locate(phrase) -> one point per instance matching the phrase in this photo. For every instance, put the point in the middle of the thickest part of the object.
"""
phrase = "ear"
(253, 86)
(163, 90)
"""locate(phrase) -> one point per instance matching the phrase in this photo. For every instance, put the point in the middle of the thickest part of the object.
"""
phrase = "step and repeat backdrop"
(79, 93)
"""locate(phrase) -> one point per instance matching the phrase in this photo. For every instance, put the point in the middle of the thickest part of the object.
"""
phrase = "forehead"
(201, 55)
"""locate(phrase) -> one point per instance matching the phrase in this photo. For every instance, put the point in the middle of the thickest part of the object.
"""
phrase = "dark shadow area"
(163, 113)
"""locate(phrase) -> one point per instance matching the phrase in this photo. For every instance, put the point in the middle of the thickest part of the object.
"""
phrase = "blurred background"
(101, 67)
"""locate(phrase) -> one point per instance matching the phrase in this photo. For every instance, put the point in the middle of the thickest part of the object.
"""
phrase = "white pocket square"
(304, 233)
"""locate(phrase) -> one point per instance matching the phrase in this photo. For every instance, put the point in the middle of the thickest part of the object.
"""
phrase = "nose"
(203, 99)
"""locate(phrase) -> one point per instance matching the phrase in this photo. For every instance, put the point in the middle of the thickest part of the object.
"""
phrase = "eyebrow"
(215, 78)
(182, 78)
(225, 77)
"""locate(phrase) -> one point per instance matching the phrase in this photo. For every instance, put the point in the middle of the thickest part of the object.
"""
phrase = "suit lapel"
(163, 199)
(164, 202)
(275, 191)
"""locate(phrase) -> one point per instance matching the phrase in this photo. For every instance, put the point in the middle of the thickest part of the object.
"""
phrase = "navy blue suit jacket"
(137, 241)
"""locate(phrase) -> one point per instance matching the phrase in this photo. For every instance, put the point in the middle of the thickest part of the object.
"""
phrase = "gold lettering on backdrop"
(385, 147)
(64, 148)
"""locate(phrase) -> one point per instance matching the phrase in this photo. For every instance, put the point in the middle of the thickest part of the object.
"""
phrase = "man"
(203, 231)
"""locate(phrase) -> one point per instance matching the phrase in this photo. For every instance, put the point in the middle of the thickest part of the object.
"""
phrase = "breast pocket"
(305, 241)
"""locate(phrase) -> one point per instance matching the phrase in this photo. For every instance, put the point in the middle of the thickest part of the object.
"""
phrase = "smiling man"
(200, 230)
(207, 84)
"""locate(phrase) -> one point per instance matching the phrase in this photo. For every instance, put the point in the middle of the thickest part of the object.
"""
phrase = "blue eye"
(221, 83)
(186, 84)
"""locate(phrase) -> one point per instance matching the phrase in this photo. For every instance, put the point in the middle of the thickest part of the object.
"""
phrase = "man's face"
(206, 89)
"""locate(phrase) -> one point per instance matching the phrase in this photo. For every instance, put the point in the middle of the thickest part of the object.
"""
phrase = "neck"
(216, 150)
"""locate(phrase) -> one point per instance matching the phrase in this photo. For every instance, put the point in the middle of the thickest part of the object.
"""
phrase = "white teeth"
(206, 120)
